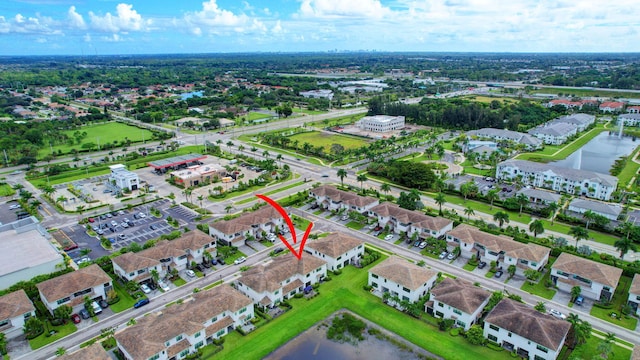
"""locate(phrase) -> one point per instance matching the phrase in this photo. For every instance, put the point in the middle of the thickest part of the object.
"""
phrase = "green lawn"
(345, 291)
(112, 132)
(485, 208)
(593, 235)
(567, 150)
(356, 225)
(308, 112)
(179, 282)
(469, 267)
(586, 92)
(539, 289)
(619, 299)
(6, 190)
(589, 349)
(317, 138)
(256, 116)
(629, 171)
(61, 331)
(126, 301)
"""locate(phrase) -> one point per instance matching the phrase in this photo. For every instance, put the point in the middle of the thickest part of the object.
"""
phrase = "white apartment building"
(381, 123)
(400, 278)
(632, 119)
(572, 181)
(337, 249)
(459, 300)
(596, 280)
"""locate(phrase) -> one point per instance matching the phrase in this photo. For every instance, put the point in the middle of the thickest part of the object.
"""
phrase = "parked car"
(145, 289)
(314, 206)
(124, 224)
(142, 215)
(278, 250)
(96, 308)
(164, 286)
(103, 304)
(200, 268)
(75, 318)
(451, 256)
(206, 264)
(344, 217)
(84, 314)
(482, 264)
(376, 233)
(190, 273)
(388, 237)
(121, 212)
(122, 236)
(498, 274)
(108, 215)
(153, 227)
(443, 255)
(214, 261)
(557, 314)
(221, 261)
(114, 223)
(377, 228)
(141, 303)
(240, 260)
(579, 300)
(91, 220)
(423, 245)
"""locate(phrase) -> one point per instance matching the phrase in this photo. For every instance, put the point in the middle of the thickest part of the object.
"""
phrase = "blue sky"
(105, 27)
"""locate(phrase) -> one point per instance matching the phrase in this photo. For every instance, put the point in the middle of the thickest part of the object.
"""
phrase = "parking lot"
(485, 184)
(9, 212)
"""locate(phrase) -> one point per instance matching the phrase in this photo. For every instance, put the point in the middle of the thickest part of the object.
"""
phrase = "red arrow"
(292, 230)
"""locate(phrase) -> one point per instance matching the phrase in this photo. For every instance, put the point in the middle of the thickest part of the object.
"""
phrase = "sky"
(106, 27)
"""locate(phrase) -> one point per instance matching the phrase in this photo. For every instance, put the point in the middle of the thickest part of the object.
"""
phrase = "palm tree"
(342, 173)
(626, 228)
(589, 216)
(187, 192)
(624, 245)
(440, 200)
(579, 233)
(469, 211)
(582, 332)
(362, 178)
(385, 187)
(536, 227)
(553, 207)
(522, 200)
(492, 195)
(200, 198)
(48, 190)
(501, 217)
(61, 198)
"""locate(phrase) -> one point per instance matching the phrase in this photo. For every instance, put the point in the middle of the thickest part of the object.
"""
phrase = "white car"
(164, 286)
(240, 260)
(145, 289)
(190, 273)
(142, 215)
(14, 206)
(557, 314)
(388, 237)
(442, 255)
(451, 256)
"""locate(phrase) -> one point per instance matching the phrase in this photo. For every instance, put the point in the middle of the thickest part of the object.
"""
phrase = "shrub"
(298, 295)
(454, 332)
(367, 287)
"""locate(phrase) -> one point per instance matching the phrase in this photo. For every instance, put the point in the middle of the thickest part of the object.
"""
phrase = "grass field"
(566, 150)
(317, 138)
(6, 190)
(629, 171)
(488, 99)
(256, 116)
(619, 299)
(308, 112)
(101, 134)
(587, 92)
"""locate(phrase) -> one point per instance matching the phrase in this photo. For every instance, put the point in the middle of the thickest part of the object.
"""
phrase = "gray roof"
(571, 174)
(629, 116)
(540, 194)
(597, 206)
(505, 134)
(554, 129)
(583, 119)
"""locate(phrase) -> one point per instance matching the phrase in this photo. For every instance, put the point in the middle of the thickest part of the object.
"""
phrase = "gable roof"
(472, 235)
(335, 244)
(403, 272)
(130, 262)
(14, 304)
(588, 269)
(346, 197)
(540, 194)
(81, 279)
(245, 221)
(635, 285)
(460, 294)
(523, 320)
(269, 277)
(94, 351)
(597, 206)
(147, 337)
(414, 218)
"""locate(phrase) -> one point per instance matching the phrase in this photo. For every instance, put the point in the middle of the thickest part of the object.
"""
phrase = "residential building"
(520, 328)
(530, 142)
(633, 109)
(597, 281)
(15, 309)
(481, 145)
(499, 248)
(26, 251)
(381, 123)
(94, 351)
(72, 288)
(554, 133)
(123, 178)
(630, 119)
(459, 300)
(568, 104)
(410, 222)
(572, 181)
(634, 294)
(280, 279)
(337, 249)
(198, 174)
(580, 120)
(164, 257)
(402, 279)
(331, 199)
(179, 330)
(581, 206)
(317, 94)
(611, 106)
(540, 197)
(251, 224)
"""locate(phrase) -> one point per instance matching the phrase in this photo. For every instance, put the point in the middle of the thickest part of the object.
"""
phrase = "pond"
(185, 96)
(313, 344)
(600, 153)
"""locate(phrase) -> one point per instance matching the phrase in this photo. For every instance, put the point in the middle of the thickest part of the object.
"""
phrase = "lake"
(313, 344)
(600, 153)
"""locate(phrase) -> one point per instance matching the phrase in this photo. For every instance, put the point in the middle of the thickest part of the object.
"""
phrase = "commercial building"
(317, 94)
(123, 178)
(198, 174)
(381, 123)
(26, 251)
(176, 162)
(572, 181)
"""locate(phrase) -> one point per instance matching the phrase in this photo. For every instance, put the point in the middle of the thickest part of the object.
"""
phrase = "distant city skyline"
(105, 27)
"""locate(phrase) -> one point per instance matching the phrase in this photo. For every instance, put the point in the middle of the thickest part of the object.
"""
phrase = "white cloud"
(20, 24)
(126, 19)
(215, 20)
(75, 19)
(87, 37)
(371, 9)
